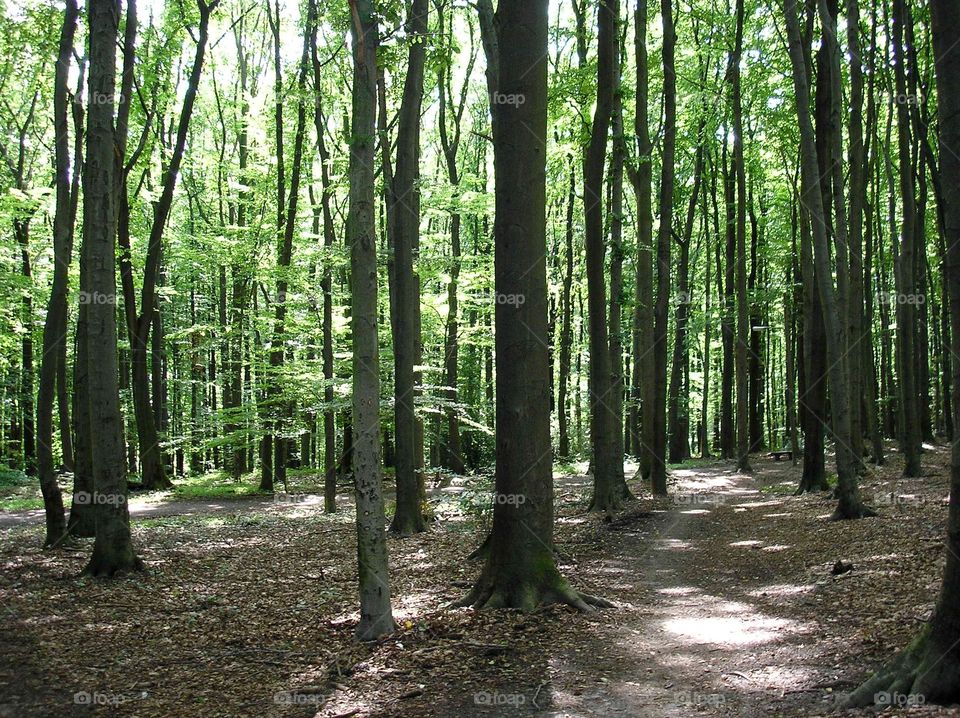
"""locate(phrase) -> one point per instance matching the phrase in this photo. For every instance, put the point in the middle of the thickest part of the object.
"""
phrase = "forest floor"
(726, 605)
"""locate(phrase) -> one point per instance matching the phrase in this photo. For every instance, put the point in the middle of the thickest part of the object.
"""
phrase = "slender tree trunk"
(741, 362)
(55, 324)
(376, 616)
(566, 322)
(658, 474)
(905, 263)
(641, 177)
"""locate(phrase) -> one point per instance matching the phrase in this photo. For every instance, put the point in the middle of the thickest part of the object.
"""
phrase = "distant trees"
(930, 665)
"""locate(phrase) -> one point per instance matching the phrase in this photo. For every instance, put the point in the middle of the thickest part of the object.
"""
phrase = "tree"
(609, 487)
(743, 301)
(930, 665)
(112, 551)
(848, 493)
(658, 476)
(520, 571)
(405, 210)
(55, 325)
(376, 616)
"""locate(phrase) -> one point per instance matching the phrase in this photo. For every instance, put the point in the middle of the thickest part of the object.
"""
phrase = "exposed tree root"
(481, 551)
(922, 673)
(858, 510)
(528, 597)
(108, 566)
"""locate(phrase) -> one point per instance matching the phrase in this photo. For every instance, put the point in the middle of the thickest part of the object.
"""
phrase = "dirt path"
(692, 639)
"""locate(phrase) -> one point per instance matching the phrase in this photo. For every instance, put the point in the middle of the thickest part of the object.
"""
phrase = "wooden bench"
(785, 453)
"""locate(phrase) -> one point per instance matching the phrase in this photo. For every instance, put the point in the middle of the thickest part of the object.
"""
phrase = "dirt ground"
(726, 605)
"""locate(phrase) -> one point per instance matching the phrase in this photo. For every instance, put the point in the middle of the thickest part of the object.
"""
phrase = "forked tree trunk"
(848, 493)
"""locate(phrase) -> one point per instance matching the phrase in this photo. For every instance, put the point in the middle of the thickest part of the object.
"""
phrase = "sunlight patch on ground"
(781, 589)
(746, 544)
(675, 544)
(775, 548)
(679, 590)
(744, 630)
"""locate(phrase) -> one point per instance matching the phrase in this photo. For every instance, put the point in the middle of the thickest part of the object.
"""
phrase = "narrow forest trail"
(692, 637)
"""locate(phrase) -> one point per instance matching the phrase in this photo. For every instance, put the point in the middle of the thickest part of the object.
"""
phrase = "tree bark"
(376, 616)
(848, 493)
(520, 571)
(930, 665)
(112, 551)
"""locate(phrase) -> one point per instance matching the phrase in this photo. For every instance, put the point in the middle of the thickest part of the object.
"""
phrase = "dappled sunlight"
(748, 543)
(727, 631)
(780, 589)
(679, 591)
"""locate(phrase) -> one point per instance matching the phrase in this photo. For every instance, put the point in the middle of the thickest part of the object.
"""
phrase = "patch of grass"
(783, 488)
(19, 492)
(214, 485)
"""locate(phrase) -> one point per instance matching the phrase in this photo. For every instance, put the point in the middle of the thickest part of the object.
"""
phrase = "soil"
(727, 604)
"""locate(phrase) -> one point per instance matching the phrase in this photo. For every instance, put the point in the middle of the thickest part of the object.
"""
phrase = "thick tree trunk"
(405, 207)
(520, 571)
(113, 550)
(609, 488)
(850, 505)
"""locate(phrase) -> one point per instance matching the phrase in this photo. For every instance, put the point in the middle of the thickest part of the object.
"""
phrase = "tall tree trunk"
(376, 616)
(566, 322)
(112, 550)
(848, 493)
(930, 665)
(905, 263)
(520, 571)
(658, 474)
(641, 177)
(741, 362)
(326, 286)
(408, 518)
(609, 488)
(55, 324)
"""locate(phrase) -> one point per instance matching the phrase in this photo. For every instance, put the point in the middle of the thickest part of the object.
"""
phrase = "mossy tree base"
(923, 673)
(107, 564)
(529, 595)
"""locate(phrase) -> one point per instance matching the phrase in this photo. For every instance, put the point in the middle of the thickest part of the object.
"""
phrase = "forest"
(479, 358)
